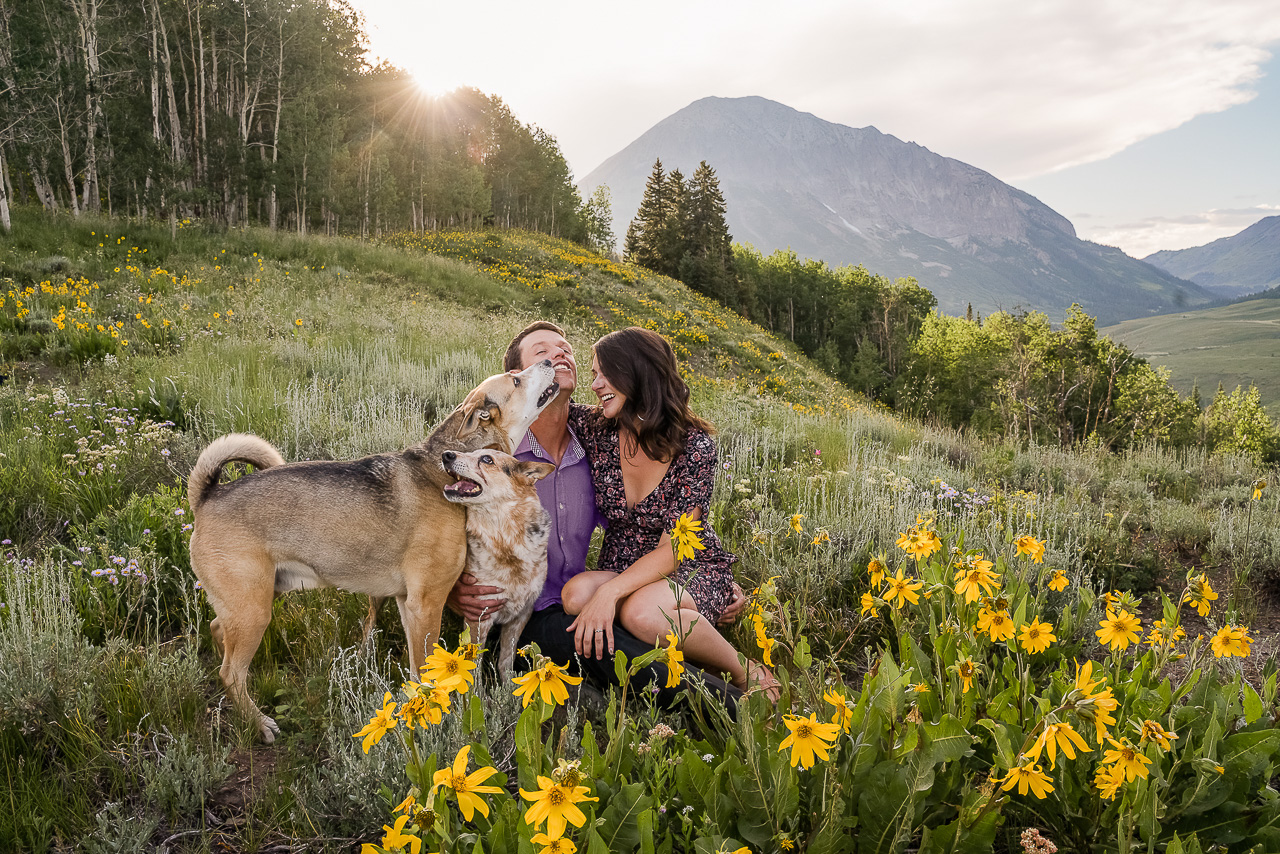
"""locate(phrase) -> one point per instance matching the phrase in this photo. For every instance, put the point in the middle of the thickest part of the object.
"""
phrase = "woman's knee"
(577, 592)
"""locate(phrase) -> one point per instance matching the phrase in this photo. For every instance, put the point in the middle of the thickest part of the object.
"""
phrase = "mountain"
(858, 196)
(1234, 266)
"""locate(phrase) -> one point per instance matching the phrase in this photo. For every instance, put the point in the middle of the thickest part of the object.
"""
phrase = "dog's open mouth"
(550, 392)
(463, 488)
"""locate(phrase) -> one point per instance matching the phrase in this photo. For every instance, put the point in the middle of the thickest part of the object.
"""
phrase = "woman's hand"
(737, 603)
(593, 627)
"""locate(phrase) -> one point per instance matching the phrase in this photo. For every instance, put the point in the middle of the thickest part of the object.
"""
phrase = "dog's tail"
(234, 447)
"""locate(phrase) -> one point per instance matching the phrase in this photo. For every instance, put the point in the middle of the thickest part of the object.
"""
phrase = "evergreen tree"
(640, 245)
(672, 236)
(706, 264)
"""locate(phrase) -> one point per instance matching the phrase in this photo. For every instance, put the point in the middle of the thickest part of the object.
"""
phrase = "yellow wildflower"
(1153, 731)
(843, 716)
(556, 805)
(1030, 546)
(997, 624)
(1108, 780)
(1127, 758)
(381, 723)
(902, 589)
(1054, 736)
(1058, 581)
(809, 739)
(795, 523)
(1036, 636)
(674, 658)
(448, 670)
(1231, 640)
(1026, 777)
(549, 681)
(868, 605)
(466, 786)
(685, 537)
(1119, 629)
(1200, 594)
(974, 578)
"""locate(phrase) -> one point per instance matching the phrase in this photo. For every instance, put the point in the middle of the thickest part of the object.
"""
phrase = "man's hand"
(474, 601)
(737, 602)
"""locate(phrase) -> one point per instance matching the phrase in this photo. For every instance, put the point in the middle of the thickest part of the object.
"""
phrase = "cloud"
(1144, 236)
(1016, 88)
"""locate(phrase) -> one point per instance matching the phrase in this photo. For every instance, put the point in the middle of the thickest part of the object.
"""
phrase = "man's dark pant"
(547, 628)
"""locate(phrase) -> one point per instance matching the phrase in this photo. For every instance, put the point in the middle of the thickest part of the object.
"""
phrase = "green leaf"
(621, 827)
(947, 740)
(1249, 752)
(803, 658)
(1004, 736)
(1252, 703)
(693, 778)
(473, 721)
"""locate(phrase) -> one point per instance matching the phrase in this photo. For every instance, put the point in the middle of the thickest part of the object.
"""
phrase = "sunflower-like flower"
(795, 523)
(1028, 776)
(549, 680)
(1053, 737)
(1107, 780)
(466, 787)
(1231, 640)
(966, 669)
(395, 839)
(843, 716)
(1258, 486)
(868, 606)
(762, 638)
(997, 624)
(1162, 635)
(1200, 594)
(809, 740)
(1031, 547)
(1058, 581)
(975, 578)
(553, 845)
(920, 541)
(684, 536)
(1153, 731)
(876, 569)
(449, 670)
(381, 723)
(424, 704)
(1127, 758)
(1119, 629)
(903, 589)
(557, 805)
(1092, 702)
(1036, 636)
(674, 657)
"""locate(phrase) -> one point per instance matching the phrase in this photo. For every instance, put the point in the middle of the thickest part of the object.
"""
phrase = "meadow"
(985, 646)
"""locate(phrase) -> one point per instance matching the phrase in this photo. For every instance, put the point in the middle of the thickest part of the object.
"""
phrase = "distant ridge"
(858, 196)
(1242, 264)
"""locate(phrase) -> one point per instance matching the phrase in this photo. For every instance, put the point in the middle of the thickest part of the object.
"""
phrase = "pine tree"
(640, 247)
(707, 262)
(671, 239)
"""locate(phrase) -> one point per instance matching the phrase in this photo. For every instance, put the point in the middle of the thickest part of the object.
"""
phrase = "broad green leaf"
(947, 740)
(620, 827)
(1252, 703)
(803, 658)
(694, 778)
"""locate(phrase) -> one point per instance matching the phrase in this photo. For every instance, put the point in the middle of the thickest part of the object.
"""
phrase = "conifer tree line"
(680, 231)
(257, 111)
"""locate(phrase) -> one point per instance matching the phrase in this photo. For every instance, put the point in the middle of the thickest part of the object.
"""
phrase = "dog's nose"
(547, 362)
(448, 457)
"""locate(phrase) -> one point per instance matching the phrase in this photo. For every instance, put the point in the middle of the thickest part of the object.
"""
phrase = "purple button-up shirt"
(570, 497)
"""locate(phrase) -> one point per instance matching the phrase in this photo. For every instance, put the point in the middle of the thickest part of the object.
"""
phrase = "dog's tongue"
(465, 487)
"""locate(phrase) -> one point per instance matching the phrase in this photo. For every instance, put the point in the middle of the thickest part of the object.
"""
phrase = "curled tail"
(234, 447)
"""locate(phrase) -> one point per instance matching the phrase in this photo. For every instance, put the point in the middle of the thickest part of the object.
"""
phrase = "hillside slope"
(858, 196)
(1234, 345)
(1241, 264)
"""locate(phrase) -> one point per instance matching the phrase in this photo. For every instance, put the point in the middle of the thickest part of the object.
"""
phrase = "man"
(569, 496)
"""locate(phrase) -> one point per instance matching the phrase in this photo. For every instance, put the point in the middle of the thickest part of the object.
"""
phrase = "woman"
(652, 460)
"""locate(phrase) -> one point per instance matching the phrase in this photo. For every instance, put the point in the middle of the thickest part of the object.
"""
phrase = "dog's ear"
(476, 410)
(535, 471)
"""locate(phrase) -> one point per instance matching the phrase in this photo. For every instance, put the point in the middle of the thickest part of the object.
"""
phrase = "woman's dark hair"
(641, 364)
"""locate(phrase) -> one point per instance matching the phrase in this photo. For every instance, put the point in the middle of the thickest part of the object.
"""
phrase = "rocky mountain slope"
(1242, 264)
(858, 196)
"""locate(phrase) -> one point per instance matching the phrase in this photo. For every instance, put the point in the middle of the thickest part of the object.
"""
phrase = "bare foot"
(761, 678)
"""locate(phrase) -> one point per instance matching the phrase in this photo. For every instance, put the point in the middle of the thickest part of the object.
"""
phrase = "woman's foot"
(760, 678)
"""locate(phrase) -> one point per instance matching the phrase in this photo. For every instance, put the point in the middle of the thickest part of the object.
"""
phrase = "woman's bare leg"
(645, 614)
(577, 591)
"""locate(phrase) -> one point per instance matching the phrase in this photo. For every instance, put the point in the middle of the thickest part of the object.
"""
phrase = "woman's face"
(611, 399)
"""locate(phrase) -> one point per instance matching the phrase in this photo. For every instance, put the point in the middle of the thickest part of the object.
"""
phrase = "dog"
(507, 534)
(379, 525)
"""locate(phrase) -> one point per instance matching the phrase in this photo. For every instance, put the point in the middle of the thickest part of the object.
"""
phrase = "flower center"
(804, 731)
(556, 797)
(458, 783)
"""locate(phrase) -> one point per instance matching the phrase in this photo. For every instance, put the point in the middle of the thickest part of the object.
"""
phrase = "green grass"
(391, 337)
(1236, 344)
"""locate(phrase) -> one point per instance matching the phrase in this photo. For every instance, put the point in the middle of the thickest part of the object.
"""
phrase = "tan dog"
(378, 525)
(507, 533)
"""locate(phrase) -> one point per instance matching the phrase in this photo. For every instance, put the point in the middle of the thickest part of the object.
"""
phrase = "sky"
(1150, 125)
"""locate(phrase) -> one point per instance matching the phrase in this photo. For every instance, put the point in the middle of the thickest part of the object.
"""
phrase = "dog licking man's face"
(548, 344)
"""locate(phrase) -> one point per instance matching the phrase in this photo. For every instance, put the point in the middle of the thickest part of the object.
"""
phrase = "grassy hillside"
(1234, 345)
(125, 350)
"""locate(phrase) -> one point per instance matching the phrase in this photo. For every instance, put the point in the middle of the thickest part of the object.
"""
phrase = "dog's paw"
(269, 729)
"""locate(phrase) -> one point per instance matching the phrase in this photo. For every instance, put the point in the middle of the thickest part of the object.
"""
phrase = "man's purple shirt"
(570, 497)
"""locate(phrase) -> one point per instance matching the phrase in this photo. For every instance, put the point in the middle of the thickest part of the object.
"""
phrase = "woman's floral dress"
(633, 532)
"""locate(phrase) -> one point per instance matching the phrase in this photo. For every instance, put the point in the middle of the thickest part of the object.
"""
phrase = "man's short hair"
(511, 361)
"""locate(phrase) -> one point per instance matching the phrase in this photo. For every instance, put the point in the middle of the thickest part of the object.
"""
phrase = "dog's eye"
(487, 460)
(516, 380)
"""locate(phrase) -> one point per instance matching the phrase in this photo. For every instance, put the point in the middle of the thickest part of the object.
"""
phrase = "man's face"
(545, 344)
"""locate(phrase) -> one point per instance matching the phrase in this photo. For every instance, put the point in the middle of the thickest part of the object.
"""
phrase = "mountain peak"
(1234, 266)
(859, 196)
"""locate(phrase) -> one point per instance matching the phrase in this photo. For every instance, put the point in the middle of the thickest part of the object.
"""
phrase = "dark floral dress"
(633, 532)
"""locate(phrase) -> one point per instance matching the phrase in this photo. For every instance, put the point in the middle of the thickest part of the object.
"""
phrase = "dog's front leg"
(421, 622)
